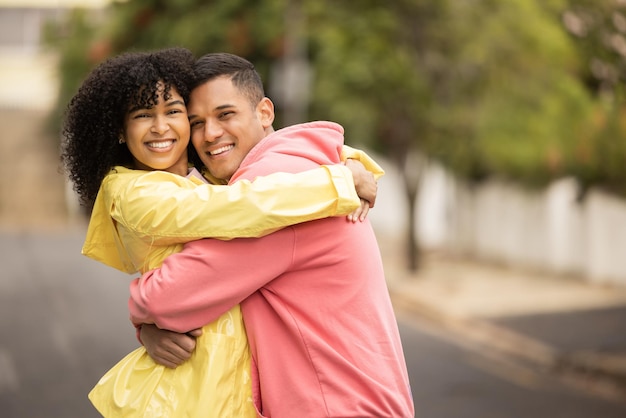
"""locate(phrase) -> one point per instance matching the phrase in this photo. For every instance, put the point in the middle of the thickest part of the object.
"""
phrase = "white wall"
(501, 222)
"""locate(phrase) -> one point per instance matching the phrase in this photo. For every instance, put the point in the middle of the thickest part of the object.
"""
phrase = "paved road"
(63, 321)
(453, 379)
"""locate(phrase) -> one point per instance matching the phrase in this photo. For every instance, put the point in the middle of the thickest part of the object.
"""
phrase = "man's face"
(225, 125)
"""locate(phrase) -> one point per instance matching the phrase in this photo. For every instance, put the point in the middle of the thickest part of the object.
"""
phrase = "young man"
(322, 332)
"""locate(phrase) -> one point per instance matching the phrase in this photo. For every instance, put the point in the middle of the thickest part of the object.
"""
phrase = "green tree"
(598, 29)
(73, 40)
(525, 100)
(486, 87)
(248, 28)
(489, 88)
(375, 65)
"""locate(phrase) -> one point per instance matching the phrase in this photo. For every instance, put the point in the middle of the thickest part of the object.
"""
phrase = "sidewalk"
(572, 330)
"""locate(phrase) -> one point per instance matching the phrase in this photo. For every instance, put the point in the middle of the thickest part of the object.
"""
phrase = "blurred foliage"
(598, 31)
(529, 90)
(73, 38)
(518, 83)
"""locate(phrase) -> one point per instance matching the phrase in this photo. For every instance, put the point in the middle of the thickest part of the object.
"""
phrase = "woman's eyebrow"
(172, 103)
(175, 103)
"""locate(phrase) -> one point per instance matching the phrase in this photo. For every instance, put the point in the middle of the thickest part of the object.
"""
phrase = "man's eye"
(195, 124)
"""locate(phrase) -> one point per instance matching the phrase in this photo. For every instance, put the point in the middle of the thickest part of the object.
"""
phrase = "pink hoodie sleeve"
(194, 287)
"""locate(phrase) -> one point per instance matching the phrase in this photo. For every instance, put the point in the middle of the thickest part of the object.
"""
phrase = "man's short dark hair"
(241, 72)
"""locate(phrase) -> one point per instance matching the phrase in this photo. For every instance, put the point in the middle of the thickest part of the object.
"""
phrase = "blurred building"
(27, 69)
(33, 192)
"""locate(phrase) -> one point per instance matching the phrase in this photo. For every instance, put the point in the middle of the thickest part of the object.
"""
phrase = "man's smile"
(221, 150)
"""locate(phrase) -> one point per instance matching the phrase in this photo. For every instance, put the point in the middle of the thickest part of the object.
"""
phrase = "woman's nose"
(159, 126)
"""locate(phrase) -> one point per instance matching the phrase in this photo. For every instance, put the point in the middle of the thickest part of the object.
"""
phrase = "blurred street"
(486, 341)
(64, 322)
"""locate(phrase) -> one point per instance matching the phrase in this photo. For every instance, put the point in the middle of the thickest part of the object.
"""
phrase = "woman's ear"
(265, 111)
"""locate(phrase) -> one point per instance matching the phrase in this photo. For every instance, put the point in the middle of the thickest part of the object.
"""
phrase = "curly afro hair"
(94, 119)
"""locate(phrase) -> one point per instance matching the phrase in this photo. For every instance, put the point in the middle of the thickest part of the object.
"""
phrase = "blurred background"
(501, 126)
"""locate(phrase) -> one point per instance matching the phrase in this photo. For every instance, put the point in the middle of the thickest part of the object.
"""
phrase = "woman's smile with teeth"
(221, 150)
(160, 144)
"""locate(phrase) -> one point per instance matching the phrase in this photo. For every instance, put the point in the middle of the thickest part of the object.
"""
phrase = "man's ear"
(265, 111)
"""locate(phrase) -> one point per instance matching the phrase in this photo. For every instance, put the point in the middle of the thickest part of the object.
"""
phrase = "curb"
(597, 374)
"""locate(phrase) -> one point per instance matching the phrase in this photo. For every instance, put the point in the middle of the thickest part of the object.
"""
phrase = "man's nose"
(212, 131)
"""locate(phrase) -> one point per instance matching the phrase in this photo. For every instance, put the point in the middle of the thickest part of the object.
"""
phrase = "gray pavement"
(564, 327)
(63, 321)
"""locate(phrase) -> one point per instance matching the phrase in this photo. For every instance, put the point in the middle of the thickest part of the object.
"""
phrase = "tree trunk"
(413, 250)
(411, 167)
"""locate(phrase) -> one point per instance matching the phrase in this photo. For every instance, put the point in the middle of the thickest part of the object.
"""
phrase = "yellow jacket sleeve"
(359, 155)
(173, 209)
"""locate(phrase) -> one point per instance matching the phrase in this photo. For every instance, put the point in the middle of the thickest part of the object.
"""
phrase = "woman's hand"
(366, 187)
(168, 348)
(361, 213)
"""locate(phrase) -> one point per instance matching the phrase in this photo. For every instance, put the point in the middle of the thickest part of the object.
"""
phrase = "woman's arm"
(372, 166)
(171, 209)
(175, 211)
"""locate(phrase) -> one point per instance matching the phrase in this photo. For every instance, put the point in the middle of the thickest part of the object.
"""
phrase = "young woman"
(125, 148)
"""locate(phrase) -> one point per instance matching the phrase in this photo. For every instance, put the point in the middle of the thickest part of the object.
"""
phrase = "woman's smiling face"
(158, 136)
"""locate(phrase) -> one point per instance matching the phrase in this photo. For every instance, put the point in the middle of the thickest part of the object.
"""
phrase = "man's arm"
(194, 287)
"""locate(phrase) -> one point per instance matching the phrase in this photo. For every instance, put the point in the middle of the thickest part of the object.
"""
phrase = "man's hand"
(169, 348)
(366, 187)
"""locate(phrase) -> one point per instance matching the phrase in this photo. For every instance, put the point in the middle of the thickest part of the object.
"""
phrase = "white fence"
(501, 222)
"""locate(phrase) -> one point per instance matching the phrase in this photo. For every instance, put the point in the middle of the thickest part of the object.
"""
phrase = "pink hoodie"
(322, 332)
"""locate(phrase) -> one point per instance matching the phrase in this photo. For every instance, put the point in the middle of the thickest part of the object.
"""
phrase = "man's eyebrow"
(217, 108)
